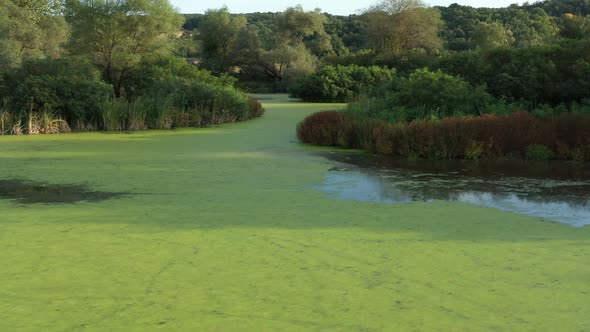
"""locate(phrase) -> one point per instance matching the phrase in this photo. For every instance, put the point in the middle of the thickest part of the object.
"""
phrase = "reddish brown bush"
(488, 136)
(322, 128)
(255, 109)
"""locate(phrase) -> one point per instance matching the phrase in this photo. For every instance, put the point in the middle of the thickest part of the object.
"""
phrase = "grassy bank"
(222, 229)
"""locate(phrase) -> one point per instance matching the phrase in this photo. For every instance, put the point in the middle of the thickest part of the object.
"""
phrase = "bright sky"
(341, 7)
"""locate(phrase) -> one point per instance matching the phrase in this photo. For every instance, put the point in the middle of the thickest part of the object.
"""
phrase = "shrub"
(123, 115)
(45, 96)
(199, 103)
(70, 89)
(547, 74)
(339, 83)
(423, 95)
(538, 152)
(474, 150)
(488, 136)
(322, 128)
(255, 109)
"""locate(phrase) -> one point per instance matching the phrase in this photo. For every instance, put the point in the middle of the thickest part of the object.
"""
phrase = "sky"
(338, 7)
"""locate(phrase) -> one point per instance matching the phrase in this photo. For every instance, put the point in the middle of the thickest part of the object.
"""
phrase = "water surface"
(556, 190)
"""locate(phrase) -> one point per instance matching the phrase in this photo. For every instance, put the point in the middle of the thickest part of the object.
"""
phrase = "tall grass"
(520, 134)
(6, 118)
(46, 122)
(176, 111)
(31, 122)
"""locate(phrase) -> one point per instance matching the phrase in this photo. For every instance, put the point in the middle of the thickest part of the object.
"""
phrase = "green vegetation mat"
(221, 229)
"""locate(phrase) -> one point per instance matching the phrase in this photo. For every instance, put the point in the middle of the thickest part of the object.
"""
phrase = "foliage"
(488, 136)
(395, 26)
(117, 35)
(423, 95)
(297, 26)
(255, 109)
(538, 152)
(322, 128)
(179, 102)
(30, 30)
(69, 88)
(561, 7)
(162, 94)
(529, 28)
(574, 27)
(487, 36)
(551, 74)
(340, 83)
(140, 80)
(288, 63)
(218, 32)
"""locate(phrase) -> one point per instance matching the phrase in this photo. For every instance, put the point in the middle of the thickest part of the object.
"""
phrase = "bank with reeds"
(517, 135)
(51, 96)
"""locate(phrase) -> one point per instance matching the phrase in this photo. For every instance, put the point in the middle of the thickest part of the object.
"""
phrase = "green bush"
(141, 81)
(538, 152)
(191, 96)
(339, 83)
(548, 74)
(423, 95)
(71, 89)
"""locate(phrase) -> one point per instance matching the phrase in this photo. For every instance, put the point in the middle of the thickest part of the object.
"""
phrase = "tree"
(574, 27)
(560, 7)
(487, 36)
(530, 28)
(218, 31)
(395, 26)
(247, 49)
(392, 7)
(295, 24)
(30, 29)
(117, 35)
(288, 63)
(460, 22)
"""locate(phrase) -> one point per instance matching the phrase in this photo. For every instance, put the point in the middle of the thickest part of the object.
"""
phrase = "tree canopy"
(116, 35)
(395, 26)
(30, 29)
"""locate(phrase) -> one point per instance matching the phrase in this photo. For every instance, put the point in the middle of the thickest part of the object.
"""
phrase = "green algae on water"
(235, 237)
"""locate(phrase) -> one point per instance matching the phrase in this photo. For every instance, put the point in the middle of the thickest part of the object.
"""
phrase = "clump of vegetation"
(322, 128)
(136, 85)
(255, 108)
(538, 152)
(340, 83)
(423, 95)
(71, 89)
(519, 134)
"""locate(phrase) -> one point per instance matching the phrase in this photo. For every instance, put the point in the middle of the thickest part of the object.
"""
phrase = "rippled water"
(558, 191)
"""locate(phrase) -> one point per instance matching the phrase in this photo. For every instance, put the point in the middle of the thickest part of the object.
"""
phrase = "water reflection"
(558, 191)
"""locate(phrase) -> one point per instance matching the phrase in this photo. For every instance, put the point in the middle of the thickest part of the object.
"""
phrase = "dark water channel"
(556, 190)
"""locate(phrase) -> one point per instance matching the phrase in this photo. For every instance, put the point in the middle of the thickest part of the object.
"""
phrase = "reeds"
(519, 134)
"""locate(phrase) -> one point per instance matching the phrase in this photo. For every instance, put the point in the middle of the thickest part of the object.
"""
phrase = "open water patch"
(30, 192)
(557, 191)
